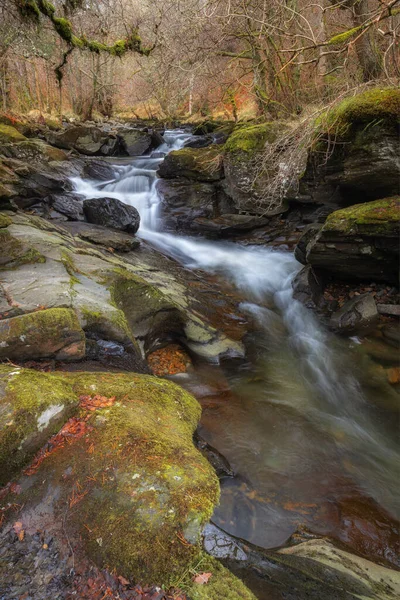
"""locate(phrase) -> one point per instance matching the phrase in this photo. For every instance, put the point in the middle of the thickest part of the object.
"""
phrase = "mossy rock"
(221, 585)
(51, 333)
(14, 252)
(379, 105)
(141, 480)
(378, 218)
(33, 406)
(251, 139)
(150, 313)
(8, 134)
(5, 221)
(200, 164)
(360, 242)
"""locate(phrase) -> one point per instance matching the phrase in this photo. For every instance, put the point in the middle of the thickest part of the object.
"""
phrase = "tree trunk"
(367, 51)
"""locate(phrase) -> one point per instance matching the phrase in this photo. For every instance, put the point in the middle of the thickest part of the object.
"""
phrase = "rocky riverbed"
(104, 493)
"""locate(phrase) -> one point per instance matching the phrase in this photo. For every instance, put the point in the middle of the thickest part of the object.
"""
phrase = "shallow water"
(312, 443)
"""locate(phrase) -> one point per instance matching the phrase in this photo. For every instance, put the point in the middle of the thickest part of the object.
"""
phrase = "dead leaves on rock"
(74, 428)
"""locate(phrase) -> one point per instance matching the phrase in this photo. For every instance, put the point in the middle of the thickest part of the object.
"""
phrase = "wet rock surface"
(112, 213)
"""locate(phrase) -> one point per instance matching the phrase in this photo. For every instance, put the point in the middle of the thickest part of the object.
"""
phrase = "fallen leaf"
(202, 578)
(19, 531)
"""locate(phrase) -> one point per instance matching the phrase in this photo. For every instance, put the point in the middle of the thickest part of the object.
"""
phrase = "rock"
(183, 201)
(228, 224)
(135, 142)
(156, 139)
(85, 139)
(389, 309)
(215, 458)
(391, 333)
(300, 251)
(360, 242)
(199, 141)
(32, 407)
(53, 333)
(146, 497)
(242, 154)
(113, 213)
(99, 169)
(358, 154)
(192, 163)
(137, 299)
(359, 313)
(307, 287)
(221, 545)
(70, 205)
(122, 242)
(8, 134)
(319, 559)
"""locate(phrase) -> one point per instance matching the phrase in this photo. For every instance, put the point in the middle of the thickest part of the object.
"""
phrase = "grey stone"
(359, 313)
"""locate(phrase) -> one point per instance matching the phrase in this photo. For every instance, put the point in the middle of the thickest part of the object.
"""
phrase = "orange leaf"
(202, 578)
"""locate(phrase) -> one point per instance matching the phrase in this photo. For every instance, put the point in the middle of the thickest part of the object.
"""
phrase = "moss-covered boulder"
(53, 333)
(245, 178)
(144, 491)
(357, 158)
(198, 164)
(33, 406)
(8, 133)
(360, 241)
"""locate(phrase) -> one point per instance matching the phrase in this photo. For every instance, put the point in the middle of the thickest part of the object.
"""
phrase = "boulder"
(358, 314)
(135, 142)
(242, 155)
(199, 141)
(307, 288)
(357, 158)
(113, 213)
(53, 333)
(144, 481)
(70, 205)
(193, 163)
(86, 139)
(98, 169)
(360, 242)
(182, 201)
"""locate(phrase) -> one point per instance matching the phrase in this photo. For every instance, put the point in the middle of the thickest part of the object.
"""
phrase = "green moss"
(252, 139)
(5, 221)
(15, 253)
(63, 28)
(46, 8)
(145, 480)
(379, 106)
(201, 164)
(24, 396)
(222, 583)
(381, 217)
(29, 8)
(9, 134)
(119, 48)
(340, 38)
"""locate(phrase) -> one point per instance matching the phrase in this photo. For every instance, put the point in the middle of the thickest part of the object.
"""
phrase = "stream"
(311, 441)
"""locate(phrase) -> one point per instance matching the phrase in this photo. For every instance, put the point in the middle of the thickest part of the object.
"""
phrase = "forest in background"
(192, 58)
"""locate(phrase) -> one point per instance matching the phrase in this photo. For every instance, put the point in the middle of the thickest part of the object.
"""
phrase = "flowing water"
(313, 444)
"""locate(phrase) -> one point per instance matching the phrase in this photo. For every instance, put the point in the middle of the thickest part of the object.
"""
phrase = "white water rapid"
(331, 396)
